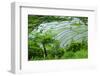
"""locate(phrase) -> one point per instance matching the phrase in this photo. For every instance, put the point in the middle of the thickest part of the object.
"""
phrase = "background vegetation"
(43, 45)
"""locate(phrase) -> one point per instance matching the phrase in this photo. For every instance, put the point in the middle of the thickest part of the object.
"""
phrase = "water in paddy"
(64, 31)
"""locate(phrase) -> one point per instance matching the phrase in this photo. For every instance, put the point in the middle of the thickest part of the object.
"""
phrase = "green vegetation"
(43, 44)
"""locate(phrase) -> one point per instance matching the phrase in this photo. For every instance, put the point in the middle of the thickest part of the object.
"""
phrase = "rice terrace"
(57, 37)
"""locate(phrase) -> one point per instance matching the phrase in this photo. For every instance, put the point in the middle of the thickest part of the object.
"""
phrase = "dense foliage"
(47, 42)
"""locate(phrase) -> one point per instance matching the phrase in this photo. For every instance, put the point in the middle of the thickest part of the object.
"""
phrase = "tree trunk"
(45, 52)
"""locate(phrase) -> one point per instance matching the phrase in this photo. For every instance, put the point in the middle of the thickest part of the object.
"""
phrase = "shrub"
(81, 54)
(68, 55)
